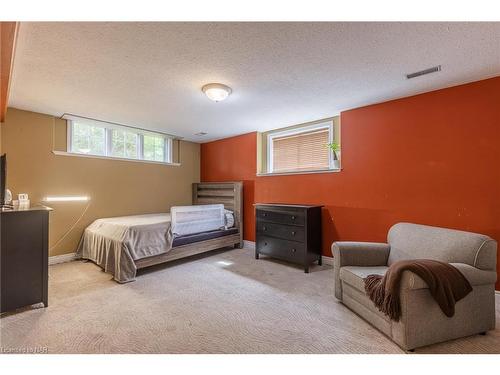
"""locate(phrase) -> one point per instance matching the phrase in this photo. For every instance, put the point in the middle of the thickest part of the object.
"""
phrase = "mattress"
(197, 237)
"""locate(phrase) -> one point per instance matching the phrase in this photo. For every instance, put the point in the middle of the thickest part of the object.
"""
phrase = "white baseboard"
(250, 245)
(327, 260)
(62, 258)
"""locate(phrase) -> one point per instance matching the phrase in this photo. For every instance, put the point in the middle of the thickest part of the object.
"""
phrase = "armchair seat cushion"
(354, 275)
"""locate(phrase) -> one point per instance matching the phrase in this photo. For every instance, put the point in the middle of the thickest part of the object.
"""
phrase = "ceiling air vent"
(200, 134)
(424, 72)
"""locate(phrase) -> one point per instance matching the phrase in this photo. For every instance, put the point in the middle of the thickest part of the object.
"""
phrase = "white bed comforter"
(114, 243)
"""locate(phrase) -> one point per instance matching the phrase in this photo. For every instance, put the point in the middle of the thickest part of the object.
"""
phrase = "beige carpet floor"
(227, 302)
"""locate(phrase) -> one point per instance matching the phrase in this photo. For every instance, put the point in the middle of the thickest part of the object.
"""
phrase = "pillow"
(229, 219)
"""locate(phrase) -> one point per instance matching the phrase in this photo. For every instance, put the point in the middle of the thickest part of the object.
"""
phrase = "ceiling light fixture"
(216, 91)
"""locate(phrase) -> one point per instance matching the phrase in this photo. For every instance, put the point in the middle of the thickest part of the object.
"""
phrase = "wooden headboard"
(230, 194)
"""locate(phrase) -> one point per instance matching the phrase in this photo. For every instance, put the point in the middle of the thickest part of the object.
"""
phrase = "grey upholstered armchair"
(422, 321)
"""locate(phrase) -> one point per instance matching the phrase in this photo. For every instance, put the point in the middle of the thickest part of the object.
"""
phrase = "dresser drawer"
(284, 217)
(287, 232)
(279, 248)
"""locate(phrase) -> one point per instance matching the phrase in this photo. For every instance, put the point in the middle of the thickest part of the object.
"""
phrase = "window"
(124, 144)
(302, 149)
(88, 139)
(154, 147)
(109, 140)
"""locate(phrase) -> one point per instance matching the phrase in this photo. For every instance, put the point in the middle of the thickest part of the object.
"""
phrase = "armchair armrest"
(363, 254)
(475, 276)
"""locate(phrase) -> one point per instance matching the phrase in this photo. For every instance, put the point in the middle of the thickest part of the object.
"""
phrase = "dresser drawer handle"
(264, 214)
(293, 233)
(294, 250)
(293, 217)
(264, 228)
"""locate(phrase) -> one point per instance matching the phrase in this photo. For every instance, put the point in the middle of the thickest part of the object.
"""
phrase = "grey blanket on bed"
(114, 243)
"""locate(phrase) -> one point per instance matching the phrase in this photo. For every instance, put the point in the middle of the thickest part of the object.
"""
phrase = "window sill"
(299, 172)
(73, 154)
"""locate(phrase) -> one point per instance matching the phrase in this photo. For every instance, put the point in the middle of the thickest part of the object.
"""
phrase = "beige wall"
(115, 187)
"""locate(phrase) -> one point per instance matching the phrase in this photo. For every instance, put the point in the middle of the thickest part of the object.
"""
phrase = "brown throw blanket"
(446, 284)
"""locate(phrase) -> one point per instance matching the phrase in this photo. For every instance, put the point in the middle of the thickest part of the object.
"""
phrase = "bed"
(122, 245)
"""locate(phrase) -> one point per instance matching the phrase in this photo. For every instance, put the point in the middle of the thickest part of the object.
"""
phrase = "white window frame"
(295, 131)
(108, 127)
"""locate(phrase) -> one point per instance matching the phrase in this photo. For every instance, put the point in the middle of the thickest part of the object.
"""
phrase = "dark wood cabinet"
(289, 232)
(24, 257)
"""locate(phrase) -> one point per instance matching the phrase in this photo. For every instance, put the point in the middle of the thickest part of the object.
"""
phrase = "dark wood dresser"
(289, 232)
(24, 257)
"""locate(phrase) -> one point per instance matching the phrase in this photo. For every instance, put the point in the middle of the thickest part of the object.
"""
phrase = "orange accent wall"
(432, 159)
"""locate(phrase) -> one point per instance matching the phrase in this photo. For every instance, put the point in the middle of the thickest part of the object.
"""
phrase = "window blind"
(301, 152)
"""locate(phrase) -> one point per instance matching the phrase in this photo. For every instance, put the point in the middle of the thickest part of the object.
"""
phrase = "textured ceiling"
(150, 74)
